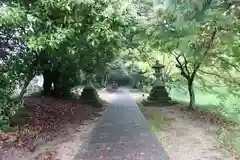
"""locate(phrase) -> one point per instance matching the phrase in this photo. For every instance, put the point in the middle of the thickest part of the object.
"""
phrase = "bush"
(6, 109)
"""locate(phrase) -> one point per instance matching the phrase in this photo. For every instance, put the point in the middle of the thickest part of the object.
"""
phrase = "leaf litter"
(48, 119)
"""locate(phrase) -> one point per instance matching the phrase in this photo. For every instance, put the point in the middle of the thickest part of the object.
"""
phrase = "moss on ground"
(155, 119)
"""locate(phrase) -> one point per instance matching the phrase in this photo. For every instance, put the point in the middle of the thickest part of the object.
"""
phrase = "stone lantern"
(158, 68)
(158, 94)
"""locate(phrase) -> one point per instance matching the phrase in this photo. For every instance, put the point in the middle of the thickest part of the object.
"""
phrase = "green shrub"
(5, 105)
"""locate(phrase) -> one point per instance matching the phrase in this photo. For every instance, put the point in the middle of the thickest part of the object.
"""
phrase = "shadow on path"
(122, 134)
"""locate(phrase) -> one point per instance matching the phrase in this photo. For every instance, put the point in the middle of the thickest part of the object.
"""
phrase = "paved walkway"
(122, 134)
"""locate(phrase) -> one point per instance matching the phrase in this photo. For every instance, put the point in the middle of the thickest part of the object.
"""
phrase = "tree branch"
(211, 41)
(186, 64)
(219, 76)
(180, 66)
(230, 64)
(199, 63)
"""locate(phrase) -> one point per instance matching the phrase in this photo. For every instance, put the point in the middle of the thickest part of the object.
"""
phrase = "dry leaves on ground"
(45, 121)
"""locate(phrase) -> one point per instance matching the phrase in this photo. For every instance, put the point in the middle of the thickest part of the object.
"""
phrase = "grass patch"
(220, 101)
(155, 119)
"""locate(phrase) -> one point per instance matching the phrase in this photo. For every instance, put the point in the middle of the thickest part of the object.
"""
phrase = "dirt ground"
(185, 138)
(61, 148)
(190, 138)
(56, 130)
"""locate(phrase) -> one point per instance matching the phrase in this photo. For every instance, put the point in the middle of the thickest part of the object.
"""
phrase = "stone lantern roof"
(158, 65)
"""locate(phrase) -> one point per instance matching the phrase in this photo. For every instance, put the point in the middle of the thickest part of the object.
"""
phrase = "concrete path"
(122, 134)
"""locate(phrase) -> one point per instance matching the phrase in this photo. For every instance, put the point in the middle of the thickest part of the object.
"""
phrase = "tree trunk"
(105, 79)
(56, 82)
(191, 94)
(47, 82)
(25, 85)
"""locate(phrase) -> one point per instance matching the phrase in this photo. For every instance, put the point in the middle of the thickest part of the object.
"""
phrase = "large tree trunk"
(47, 82)
(56, 83)
(191, 94)
(105, 79)
(52, 78)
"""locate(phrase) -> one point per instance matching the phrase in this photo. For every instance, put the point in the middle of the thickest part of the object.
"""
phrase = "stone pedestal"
(90, 96)
(158, 96)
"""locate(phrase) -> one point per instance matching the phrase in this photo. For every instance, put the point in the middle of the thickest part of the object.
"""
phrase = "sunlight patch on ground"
(155, 119)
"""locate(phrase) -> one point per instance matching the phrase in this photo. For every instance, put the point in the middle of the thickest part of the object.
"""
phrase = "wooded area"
(75, 43)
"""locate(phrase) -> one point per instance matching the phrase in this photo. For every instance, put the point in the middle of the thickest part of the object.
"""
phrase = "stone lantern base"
(90, 96)
(158, 96)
